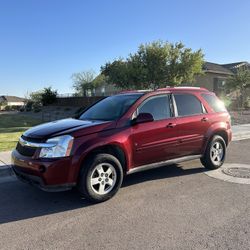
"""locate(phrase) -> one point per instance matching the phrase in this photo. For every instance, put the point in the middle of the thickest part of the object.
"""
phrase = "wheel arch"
(111, 149)
(221, 132)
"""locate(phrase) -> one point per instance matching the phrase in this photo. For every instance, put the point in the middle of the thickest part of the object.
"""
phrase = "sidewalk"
(5, 158)
(240, 132)
(5, 164)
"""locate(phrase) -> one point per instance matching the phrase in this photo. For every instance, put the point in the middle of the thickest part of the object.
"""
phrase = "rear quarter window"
(215, 103)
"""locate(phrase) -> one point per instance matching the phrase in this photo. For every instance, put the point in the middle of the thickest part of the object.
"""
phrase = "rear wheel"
(101, 177)
(215, 153)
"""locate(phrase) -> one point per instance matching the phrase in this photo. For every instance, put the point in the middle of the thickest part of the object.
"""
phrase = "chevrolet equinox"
(123, 134)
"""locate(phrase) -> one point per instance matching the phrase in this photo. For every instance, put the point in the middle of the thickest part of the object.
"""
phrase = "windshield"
(110, 108)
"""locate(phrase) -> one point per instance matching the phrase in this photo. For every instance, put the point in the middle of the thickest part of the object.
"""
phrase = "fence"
(77, 101)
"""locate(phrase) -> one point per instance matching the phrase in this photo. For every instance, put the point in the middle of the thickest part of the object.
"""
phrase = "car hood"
(67, 126)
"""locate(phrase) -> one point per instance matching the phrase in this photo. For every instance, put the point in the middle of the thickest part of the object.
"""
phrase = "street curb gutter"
(6, 171)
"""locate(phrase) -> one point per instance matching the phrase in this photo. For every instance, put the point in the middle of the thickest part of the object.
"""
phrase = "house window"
(219, 86)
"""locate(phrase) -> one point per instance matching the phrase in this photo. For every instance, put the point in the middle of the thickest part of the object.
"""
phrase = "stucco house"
(6, 100)
(215, 75)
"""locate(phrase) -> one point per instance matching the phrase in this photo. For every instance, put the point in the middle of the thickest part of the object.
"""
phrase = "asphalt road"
(176, 207)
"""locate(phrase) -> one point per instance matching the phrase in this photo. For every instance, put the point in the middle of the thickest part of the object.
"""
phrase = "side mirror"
(143, 117)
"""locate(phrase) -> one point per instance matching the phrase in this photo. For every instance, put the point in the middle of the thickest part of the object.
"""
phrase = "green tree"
(43, 97)
(99, 80)
(82, 81)
(48, 96)
(117, 73)
(155, 65)
(240, 82)
(36, 97)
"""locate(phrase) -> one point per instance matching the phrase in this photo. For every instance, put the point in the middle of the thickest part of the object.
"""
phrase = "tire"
(100, 178)
(215, 153)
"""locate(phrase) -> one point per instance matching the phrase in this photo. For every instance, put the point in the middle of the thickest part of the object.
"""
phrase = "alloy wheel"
(103, 178)
(217, 153)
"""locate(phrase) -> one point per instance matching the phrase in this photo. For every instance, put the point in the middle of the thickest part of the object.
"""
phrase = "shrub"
(44, 97)
(247, 104)
(36, 107)
(48, 96)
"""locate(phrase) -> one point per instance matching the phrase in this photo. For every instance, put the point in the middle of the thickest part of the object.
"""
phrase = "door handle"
(171, 125)
(204, 119)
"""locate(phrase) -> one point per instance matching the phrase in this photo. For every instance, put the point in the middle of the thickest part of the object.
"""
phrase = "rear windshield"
(110, 108)
(216, 104)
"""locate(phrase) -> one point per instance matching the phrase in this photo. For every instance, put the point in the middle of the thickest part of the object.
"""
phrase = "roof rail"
(135, 91)
(182, 87)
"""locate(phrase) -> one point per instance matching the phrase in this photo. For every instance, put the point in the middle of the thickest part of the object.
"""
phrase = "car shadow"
(20, 201)
(162, 173)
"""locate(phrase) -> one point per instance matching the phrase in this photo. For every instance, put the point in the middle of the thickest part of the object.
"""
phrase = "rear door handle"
(171, 125)
(204, 119)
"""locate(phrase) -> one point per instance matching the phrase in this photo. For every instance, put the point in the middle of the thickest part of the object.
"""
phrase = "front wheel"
(215, 153)
(101, 177)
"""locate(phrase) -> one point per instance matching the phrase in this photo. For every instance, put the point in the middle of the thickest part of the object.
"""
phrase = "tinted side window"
(158, 107)
(187, 104)
(216, 104)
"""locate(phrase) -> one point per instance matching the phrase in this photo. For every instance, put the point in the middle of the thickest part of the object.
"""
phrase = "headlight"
(57, 147)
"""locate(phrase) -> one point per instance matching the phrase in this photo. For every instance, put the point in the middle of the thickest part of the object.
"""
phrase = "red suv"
(122, 134)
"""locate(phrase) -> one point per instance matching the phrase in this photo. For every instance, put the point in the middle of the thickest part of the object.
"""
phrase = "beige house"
(13, 101)
(216, 75)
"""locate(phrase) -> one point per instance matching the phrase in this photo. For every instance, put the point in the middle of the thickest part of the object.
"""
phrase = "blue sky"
(42, 42)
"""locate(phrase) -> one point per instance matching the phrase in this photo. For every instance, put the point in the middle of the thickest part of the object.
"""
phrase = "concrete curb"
(6, 170)
(5, 165)
(241, 136)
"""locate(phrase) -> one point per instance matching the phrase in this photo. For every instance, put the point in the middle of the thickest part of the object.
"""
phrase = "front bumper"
(49, 175)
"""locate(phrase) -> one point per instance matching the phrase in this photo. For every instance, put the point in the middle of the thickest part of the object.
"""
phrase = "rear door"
(155, 141)
(193, 123)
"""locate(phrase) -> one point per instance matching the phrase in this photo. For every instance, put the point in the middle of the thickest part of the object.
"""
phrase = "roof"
(9, 98)
(216, 68)
(234, 66)
(226, 69)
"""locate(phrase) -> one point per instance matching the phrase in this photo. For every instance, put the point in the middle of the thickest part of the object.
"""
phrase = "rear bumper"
(49, 175)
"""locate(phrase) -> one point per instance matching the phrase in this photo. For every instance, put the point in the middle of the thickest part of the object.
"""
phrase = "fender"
(215, 128)
(95, 141)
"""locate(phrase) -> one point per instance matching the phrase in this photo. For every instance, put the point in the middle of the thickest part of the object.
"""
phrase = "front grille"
(25, 151)
(31, 139)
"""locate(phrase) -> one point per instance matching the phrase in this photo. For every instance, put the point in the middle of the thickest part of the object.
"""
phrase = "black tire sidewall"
(85, 185)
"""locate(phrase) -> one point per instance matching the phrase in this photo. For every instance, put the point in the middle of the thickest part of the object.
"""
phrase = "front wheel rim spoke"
(101, 188)
(109, 171)
(95, 181)
(110, 182)
(99, 169)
